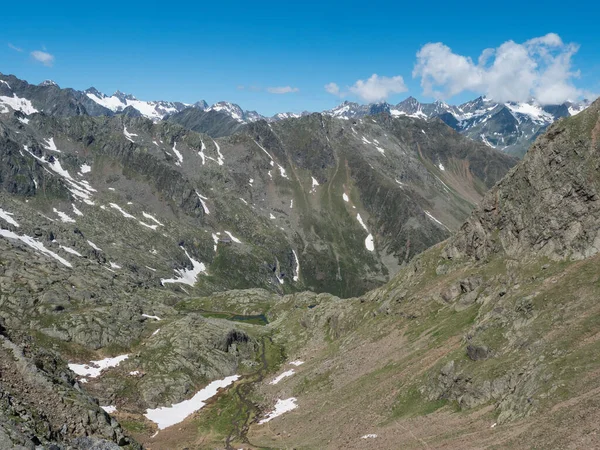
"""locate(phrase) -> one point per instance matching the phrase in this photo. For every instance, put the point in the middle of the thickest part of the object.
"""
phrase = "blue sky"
(235, 51)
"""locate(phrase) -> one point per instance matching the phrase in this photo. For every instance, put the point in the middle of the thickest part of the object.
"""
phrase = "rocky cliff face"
(548, 205)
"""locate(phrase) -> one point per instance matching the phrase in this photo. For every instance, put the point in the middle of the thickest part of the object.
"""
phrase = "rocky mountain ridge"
(509, 127)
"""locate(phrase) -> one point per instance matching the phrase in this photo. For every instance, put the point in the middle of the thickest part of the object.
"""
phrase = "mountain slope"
(212, 122)
(300, 197)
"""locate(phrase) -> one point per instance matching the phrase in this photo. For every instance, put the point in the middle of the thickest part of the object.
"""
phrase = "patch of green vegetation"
(258, 319)
(68, 350)
(443, 323)
(133, 426)
(312, 383)
(274, 355)
(217, 420)
(412, 403)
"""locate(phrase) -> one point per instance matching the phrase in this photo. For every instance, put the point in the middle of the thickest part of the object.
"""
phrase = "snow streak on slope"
(369, 239)
(35, 244)
(187, 276)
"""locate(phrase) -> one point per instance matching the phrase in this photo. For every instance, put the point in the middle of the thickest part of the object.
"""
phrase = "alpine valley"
(374, 276)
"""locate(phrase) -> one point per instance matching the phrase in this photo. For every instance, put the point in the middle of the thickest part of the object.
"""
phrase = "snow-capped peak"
(531, 110)
(230, 109)
(154, 110)
(48, 83)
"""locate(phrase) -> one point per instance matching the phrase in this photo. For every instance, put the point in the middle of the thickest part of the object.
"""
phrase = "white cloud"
(45, 58)
(14, 47)
(282, 89)
(378, 89)
(333, 89)
(538, 68)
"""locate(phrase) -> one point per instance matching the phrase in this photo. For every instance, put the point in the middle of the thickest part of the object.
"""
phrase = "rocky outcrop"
(42, 405)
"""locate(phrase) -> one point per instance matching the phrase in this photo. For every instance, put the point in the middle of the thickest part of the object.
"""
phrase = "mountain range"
(509, 127)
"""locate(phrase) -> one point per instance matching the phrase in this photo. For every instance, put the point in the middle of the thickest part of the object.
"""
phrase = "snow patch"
(109, 409)
(281, 407)
(297, 271)
(201, 152)
(233, 238)
(315, 183)
(128, 135)
(202, 198)
(428, 214)
(167, 416)
(63, 216)
(124, 213)
(187, 276)
(94, 246)
(178, 154)
(285, 374)
(80, 189)
(93, 369)
(71, 251)
(296, 363)
(220, 159)
(147, 225)
(50, 145)
(76, 211)
(369, 436)
(151, 217)
(18, 104)
(345, 197)
(148, 316)
(369, 244)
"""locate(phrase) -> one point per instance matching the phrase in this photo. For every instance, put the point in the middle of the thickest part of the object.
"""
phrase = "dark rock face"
(549, 204)
(477, 353)
(213, 123)
(53, 100)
